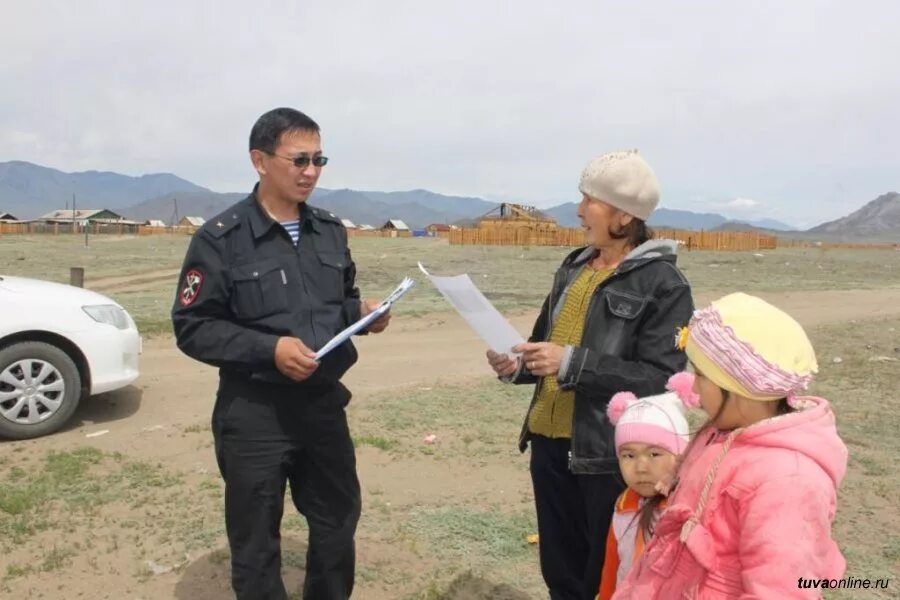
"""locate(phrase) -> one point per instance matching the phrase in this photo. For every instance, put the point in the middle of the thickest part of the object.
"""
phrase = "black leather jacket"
(628, 344)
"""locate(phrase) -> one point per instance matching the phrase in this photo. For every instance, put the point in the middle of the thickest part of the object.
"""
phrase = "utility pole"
(73, 212)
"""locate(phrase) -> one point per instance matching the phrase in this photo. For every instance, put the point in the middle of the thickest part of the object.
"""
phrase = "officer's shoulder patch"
(325, 215)
(222, 223)
(193, 281)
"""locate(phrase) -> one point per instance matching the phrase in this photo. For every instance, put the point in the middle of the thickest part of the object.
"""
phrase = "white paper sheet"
(477, 311)
(385, 306)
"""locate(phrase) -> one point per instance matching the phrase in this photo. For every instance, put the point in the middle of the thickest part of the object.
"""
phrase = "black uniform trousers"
(267, 436)
(574, 513)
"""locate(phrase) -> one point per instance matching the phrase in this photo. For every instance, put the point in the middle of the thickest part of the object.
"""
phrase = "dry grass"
(476, 426)
(439, 531)
(863, 390)
(432, 517)
(512, 277)
(55, 513)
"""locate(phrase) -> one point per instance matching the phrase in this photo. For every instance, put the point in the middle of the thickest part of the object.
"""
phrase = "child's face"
(643, 466)
(739, 412)
(711, 397)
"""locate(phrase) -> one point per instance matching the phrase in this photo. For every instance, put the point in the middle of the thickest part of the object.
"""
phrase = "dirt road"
(175, 391)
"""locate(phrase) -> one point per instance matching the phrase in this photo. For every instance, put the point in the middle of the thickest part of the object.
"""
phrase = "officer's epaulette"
(222, 223)
(325, 215)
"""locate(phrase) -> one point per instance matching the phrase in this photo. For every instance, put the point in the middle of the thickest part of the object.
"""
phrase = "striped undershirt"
(293, 229)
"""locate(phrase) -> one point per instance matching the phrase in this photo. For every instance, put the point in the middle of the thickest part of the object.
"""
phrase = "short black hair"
(269, 128)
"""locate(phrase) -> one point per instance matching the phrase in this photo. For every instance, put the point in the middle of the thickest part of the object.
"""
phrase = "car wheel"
(40, 388)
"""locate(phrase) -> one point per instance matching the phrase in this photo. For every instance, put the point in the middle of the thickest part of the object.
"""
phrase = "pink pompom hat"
(654, 420)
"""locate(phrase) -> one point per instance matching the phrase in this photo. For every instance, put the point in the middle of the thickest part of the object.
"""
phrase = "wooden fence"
(691, 240)
(35, 227)
(378, 233)
(177, 230)
(517, 237)
(719, 240)
(40, 228)
(786, 243)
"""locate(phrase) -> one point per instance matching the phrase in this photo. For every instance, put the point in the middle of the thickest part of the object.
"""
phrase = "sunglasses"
(302, 161)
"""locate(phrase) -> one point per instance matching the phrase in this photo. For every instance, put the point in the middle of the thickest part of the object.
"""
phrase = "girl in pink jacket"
(755, 495)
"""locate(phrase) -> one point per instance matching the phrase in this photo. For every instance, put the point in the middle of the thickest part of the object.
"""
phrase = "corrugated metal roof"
(78, 214)
(396, 224)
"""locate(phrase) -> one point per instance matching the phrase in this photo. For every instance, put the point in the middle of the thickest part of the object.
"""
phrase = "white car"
(58, 344)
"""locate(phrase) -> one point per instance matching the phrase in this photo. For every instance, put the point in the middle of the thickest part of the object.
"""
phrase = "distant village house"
(517, 217)
(191, 222)
(396, 228)
(438, 230)
(83, 216)
(396, 225)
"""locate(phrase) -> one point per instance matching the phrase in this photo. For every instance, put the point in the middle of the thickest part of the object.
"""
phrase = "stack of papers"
(367, 320)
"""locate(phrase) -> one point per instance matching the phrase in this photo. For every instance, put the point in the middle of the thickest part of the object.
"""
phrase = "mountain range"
(877, 220)
(28, 191)
(417, 208)
(667, 217)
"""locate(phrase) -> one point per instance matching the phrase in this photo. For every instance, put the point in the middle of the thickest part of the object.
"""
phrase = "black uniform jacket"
(244, 284)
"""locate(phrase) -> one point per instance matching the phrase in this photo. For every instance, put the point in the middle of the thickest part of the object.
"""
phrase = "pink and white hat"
(654, 420)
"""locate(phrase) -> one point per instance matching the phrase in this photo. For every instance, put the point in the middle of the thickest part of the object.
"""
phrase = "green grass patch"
(376, 441)
(38, 497)
(463, 533)
(476, 420)
(198, 428)
(152, 325)
(13, 571)
(469, 586)
(57, 558)
(62, 476)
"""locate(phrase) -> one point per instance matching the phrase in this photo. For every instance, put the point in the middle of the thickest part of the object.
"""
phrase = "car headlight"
(109, 314)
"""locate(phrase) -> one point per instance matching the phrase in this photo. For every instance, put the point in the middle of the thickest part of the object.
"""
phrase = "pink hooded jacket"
(764, 521)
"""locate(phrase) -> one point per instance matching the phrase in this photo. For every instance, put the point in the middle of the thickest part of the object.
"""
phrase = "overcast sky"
(788, 110)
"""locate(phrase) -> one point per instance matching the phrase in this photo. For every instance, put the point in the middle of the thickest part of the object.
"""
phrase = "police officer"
(265, 284)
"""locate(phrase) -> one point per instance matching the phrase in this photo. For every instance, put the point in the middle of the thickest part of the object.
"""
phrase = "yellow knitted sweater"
(552, 413)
